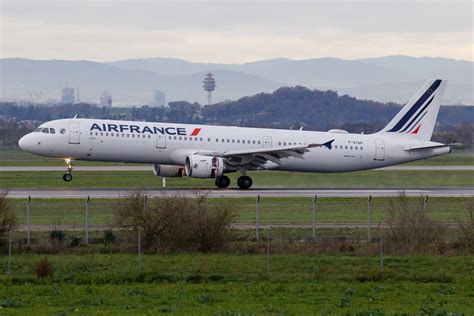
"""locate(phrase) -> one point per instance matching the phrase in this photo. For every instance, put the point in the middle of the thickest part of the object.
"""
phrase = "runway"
(235, 193)
(150, 168)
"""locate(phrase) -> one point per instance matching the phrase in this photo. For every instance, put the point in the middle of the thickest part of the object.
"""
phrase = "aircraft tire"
(67, 177)
(222, 182)
(244, 182)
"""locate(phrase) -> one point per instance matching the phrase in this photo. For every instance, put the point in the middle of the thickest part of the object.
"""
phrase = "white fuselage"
(168, 143)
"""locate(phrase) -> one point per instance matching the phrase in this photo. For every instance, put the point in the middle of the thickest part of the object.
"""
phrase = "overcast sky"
(234, 31)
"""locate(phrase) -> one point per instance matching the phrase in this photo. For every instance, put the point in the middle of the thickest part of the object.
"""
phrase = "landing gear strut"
(222, 182)
(68, 175)
(244, 182)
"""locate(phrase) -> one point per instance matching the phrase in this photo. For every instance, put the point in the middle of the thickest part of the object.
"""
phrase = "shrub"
(176, 222)
(466, 227)
(44, 268)
(109, 237)
(57, 236)
(409, 227)
(75, 242)
(7, 217)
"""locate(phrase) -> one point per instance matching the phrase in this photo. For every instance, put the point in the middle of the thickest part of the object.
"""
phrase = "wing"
(260, 158)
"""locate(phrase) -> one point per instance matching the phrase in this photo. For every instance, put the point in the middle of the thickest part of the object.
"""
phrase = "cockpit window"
(46, 130)
(38, 130)
(52, 131)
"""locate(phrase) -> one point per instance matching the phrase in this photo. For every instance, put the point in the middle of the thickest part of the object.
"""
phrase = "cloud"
(230, 31)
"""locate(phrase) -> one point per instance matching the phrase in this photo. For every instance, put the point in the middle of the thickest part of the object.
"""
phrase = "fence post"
(28, 225)
(369, 236)
(9, 271)
(425, 202)
(163, 182)
(269, 267)
(257, 218)
(87, 220)
(139, 246)
(314, 217)
(381, 250)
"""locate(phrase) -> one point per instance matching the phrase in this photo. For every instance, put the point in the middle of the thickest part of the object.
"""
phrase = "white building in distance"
(67, 96)
(159, 98)
(106, 99)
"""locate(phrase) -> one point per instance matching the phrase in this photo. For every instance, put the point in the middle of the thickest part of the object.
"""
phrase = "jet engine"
(168, 171)
(199, 166)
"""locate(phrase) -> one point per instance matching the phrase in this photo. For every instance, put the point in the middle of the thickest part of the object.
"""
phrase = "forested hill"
(316, 110)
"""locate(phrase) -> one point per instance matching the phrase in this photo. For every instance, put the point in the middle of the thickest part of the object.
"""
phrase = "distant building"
(67, 96)
(159, 98)
(209, 85)
(106, 99)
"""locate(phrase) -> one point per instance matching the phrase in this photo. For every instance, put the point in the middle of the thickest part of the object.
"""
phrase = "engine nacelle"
(198, 166)
(168, 171)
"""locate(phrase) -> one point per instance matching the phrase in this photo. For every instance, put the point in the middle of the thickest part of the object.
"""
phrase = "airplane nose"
(23, 143)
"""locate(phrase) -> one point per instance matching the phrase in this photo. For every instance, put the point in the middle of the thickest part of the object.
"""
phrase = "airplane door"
(74, 133)
(379, 149)
(267, 141)
(161, 141)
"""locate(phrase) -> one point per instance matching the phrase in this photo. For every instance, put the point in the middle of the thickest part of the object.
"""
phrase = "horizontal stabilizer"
(433, 146)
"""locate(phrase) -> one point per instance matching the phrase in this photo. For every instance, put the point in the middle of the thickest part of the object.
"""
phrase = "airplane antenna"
(75, 116)
(301, 128)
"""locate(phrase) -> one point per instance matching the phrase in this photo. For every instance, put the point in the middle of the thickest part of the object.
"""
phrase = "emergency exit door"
(161, 141)
(74, 133)
(379, 149)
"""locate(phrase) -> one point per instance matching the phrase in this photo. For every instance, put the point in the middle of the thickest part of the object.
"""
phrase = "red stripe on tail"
(416, 130)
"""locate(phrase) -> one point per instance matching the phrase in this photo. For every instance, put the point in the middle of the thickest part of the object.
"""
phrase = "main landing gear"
(244, 182)
(222, 182)
(68, 175)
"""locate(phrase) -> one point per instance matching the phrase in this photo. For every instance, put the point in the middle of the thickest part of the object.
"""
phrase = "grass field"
(262, 179)
(272, 211)
(10, 156)
(225, 284)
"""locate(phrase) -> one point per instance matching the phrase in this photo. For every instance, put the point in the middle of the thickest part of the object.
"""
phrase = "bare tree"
(409, 227)
(7, 216)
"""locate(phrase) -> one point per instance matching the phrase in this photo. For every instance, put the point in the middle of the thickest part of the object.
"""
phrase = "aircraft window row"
(217, 140)
(288, 143)
(45, 130)
(348, 147)
(119, 135)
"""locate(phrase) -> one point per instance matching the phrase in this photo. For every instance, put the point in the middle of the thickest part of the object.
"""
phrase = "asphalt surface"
(150, 168)
(235, 193)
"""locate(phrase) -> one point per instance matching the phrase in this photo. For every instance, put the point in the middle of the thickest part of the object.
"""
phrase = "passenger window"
(346, 147)
(361, 148)
(238, 141)
(217, 140)
(351, 147)
(233, 140)
(253, 142)
(228, 140)
(356, 147)
(259, 142)
(200, 139)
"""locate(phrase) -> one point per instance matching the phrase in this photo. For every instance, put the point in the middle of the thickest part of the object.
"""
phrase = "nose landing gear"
(69, 164)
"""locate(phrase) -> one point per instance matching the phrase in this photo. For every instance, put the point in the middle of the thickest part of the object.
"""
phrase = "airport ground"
(236, 284)
(346, 278)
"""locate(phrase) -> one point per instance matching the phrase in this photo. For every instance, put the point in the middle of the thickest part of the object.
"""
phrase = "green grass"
(239, 285)
(272, 210)
(262, 179)
(10, 156)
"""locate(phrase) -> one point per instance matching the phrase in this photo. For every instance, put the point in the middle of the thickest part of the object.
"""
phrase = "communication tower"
(209, 84)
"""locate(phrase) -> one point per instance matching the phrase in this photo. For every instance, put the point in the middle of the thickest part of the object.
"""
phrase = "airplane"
(205, 151)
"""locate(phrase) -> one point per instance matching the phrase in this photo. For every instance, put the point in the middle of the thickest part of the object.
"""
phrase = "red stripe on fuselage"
(195, 132)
